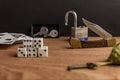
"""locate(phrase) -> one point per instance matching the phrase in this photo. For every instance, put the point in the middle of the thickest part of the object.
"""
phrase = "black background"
(18, 15)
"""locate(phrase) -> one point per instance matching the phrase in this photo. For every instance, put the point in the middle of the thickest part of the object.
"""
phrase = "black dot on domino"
(34, 40)
(39, 45)
(24, 40)
(35, 45)
(33, 50)
(23, 54)
(29, 54)
(45, 50)
(40, 54)
(33, 54)
(19, 50)
(29, 50)
(39, 40)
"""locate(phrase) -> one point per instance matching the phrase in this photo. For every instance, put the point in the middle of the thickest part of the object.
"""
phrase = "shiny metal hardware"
(77, 32)
(75, 18)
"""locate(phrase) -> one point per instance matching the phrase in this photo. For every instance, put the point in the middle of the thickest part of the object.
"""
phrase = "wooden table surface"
(54, 67)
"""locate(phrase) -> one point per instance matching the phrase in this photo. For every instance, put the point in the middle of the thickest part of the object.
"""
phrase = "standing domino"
(33, 47)
(43, 51)
(22, 52)
(37, 42)
(27, 42)
(32, 52)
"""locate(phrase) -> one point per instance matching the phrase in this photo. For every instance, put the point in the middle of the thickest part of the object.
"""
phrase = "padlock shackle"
(75, 18)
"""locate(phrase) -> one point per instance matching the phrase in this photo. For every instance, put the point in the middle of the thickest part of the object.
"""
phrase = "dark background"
(18, 15)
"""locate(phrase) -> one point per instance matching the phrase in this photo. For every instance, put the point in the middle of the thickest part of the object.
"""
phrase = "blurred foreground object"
(113, 59)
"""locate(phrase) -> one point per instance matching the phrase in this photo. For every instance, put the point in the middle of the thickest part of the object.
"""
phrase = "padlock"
(80, 33)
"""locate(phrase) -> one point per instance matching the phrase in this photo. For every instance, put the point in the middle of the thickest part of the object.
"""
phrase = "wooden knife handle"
(94, 43)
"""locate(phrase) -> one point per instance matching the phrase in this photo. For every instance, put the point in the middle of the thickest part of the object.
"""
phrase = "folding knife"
(106, 41)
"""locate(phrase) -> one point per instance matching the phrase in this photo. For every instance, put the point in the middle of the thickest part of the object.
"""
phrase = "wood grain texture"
(54, 67)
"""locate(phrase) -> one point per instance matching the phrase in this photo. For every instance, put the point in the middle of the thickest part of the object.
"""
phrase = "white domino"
(27, 42)
(43, 51)
(33, 47)
(32, 52)
(22, 52)
(37, 42)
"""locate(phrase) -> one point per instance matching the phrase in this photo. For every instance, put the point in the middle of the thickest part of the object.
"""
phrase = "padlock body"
(80, 33)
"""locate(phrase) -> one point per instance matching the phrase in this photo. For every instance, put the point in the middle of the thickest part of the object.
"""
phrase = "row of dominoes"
(33, 47)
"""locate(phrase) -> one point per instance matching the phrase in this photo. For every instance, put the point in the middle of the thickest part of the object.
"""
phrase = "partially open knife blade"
(97, 29)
